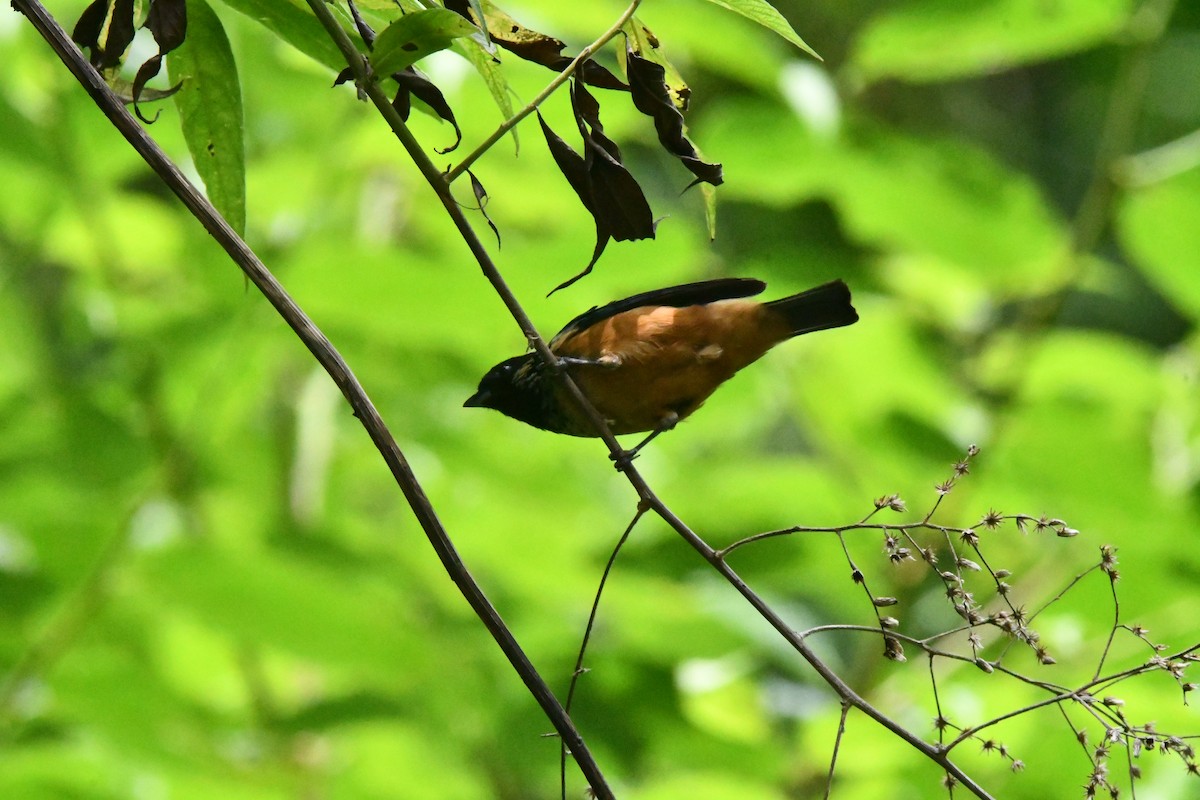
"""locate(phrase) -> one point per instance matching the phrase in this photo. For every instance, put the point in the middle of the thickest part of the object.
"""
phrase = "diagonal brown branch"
(647, 497)
(329, 358)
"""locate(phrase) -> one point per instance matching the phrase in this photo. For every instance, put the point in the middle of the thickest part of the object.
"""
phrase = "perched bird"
(648, 361)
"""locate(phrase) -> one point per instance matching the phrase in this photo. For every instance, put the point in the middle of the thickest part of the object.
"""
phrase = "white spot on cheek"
(709, 352)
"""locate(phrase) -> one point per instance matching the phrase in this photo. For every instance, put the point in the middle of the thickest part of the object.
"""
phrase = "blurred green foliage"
(210, 586)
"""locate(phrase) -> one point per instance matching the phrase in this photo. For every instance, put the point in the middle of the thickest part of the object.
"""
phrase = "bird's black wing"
(688, 294)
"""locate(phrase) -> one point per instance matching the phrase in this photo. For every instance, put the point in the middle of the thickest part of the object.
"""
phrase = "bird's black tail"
(826, 306)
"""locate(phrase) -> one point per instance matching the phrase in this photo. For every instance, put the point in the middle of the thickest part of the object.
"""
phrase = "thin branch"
(330, 360)
(587, 633)
(510, 123)
(1159, 164)
(1112, 632)
(935, 753)
(837, 745)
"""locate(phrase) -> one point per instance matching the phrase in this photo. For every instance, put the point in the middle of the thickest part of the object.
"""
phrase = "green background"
(211, 587)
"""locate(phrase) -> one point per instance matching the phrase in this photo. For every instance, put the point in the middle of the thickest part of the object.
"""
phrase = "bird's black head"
(514, 387)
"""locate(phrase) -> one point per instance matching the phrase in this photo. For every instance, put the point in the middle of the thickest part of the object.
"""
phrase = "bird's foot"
(607, 360)
(623, 460)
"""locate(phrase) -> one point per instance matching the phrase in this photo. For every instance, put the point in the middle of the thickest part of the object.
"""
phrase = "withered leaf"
(570, 163)
(167, 22)
(107, 54)
(616, 195)
(364, 30)
(651, 96)
(641, 40)
(413, 83)
(124, 90)
(146, 71)
(87, 30)
(531, 45)
(481, 199)
(604, 186)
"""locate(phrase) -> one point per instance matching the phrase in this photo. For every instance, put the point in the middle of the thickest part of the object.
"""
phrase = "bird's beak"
(477, 400)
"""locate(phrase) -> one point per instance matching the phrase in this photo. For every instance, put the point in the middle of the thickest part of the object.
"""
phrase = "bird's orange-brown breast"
(657, 361)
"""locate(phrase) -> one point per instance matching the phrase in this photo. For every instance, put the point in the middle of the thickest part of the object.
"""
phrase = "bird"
(649, 361)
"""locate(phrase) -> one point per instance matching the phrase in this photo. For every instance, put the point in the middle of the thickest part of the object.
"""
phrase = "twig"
(587, 634)
(935, 753)
(1158, 164)
(837, 745)
(1112, 632)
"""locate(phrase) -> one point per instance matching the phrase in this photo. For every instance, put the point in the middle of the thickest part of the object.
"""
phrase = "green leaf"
(764, 14)
(416, 35)
(296, 604)
(1157, 226)
(493, 77)
(210, 111)
(934, 40)
(296, 25)
(947, 199)
(709, 193)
